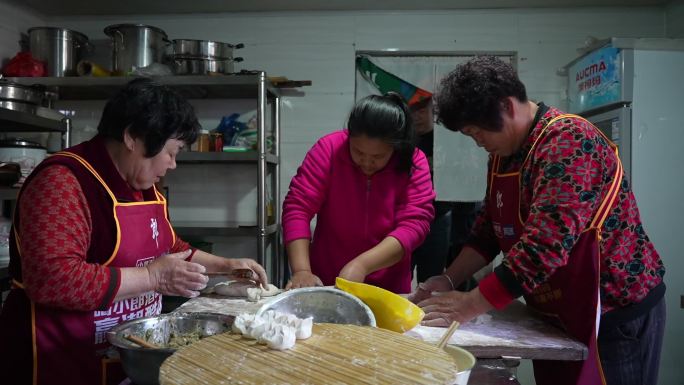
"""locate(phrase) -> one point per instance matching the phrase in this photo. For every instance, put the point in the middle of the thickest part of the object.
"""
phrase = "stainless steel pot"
(198, 66)
(27, 154)
(205, 49)
(19, 93)
(59, 48)
(18, 106)
(135, 46)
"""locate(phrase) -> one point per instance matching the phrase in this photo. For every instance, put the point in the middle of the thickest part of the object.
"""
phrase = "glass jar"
(203, 141)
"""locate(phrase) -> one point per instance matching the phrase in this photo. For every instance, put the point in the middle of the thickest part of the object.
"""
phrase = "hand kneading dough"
(256, 293)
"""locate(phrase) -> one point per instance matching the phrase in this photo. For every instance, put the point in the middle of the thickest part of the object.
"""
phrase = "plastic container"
(392, 311)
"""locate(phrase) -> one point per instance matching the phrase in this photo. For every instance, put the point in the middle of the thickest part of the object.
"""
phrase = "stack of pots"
(136, 46)
(19, 97)
(201, 57)
(60, 49)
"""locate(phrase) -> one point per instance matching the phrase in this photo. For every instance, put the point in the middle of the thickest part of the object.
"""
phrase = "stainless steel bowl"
(324, 304)
(142, 364)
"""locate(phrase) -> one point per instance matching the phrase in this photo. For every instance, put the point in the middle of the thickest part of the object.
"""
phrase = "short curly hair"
(472, 94)
(150, 111)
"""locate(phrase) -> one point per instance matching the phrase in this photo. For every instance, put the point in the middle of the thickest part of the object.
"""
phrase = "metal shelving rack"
(237, 86)
(17, 121)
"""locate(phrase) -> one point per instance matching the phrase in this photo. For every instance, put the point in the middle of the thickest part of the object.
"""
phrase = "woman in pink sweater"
(371, 191)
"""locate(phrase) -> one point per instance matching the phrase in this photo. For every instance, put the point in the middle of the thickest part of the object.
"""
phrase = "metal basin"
(142, 364)
(464, 362)
(324, 304)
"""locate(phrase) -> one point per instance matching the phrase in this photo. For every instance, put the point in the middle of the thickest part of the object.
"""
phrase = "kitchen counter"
(514, 332)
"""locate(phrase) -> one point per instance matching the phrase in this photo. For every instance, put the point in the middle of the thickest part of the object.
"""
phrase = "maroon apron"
(70, 347)
(571, 296)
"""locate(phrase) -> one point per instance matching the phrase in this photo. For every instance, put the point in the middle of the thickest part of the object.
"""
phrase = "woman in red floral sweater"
(561, 210)
(92, 245)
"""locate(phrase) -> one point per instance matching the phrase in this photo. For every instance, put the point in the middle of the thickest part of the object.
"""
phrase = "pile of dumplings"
(275, 329)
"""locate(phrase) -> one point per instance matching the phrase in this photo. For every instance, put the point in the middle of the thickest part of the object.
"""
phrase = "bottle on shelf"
(203, 141)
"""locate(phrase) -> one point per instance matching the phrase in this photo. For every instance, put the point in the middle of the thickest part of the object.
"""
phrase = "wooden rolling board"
(339, 354)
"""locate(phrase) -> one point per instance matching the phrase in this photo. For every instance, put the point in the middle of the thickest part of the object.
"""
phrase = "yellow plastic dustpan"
(392, 311)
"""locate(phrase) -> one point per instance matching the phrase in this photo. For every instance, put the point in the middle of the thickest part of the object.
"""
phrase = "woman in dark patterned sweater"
(561, 210)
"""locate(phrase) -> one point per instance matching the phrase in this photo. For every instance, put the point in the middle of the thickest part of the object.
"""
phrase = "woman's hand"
(246, 263)
(437, 283)
(172, 275)
(443, 308)
(304, 278)
(353, 271)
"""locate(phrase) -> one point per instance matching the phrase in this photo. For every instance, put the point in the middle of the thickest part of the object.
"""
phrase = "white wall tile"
(674, 19)
(436, 30)
(15, 21)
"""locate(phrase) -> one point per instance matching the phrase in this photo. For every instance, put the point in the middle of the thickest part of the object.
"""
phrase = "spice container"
(217, 142)
(203, 141)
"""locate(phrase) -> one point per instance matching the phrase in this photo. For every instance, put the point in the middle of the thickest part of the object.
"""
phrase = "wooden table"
(499, 339)
(514, 332)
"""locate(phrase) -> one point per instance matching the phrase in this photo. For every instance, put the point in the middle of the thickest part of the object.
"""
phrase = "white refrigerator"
(633, 90)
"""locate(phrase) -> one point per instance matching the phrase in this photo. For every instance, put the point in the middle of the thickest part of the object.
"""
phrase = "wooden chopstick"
(141, 342)
(445, 338)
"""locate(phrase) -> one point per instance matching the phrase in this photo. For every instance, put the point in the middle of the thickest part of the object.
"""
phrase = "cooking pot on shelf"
(59, 48)
(135, 46)
(200, 66)
(18, 106)
(9, 174)
(13, 92)
(27, 154)
(207, 49)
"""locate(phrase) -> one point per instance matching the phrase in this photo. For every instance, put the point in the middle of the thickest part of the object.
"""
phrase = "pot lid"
(35, 87)
(19, 142)
(110, 29)
(198, 41)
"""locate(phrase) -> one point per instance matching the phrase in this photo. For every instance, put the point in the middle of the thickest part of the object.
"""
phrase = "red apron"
(70, 347)
(571, 297)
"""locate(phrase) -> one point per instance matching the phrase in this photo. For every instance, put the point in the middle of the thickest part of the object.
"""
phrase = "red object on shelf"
(217, 142)
(23, 64)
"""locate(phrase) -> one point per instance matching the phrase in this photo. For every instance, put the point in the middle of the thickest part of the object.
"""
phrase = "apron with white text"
(70, 347)
(570, 298)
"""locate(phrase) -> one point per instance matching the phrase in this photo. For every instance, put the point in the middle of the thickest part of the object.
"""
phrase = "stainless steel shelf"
(254, 86)
(229, 229)
(235, 86)
(223, 157)
(21, 121)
